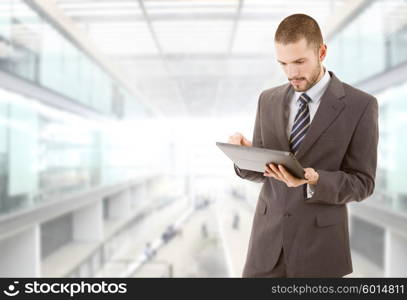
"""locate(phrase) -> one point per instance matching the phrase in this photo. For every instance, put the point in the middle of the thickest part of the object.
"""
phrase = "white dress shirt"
(315, 93)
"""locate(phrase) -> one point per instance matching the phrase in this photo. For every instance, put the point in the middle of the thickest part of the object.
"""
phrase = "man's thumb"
(246, 142)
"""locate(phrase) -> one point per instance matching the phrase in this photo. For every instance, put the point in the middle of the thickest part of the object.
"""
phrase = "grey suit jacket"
(341, 145)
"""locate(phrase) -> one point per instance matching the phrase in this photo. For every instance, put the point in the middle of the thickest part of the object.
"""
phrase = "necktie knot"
(305, 99)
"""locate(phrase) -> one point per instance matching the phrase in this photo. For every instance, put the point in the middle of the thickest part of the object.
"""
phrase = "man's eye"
(299, 62)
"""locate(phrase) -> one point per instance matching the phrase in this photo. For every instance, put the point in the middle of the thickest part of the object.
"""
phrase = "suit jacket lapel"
(280, 116)
(329, 109)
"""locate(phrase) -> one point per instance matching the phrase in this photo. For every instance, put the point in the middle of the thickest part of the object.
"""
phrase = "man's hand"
(280, 173)
(239, 139)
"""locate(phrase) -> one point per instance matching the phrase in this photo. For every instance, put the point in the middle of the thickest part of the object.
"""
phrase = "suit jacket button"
(287, 215)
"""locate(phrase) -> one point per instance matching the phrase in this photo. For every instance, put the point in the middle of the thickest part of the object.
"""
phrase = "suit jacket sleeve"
(355, 180)
(256, 142)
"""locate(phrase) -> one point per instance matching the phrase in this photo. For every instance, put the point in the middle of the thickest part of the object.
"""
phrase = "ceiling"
(193, 58)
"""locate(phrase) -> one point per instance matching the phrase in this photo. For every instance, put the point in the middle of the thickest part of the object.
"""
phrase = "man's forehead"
(292, 52)
(300, 43)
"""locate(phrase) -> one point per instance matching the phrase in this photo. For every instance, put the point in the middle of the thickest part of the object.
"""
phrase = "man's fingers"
(277, 172)
(286, 174)
(281, 174)
(310, 174)
(270, 172)
(290, 180)
(236, 138)
(246, 142)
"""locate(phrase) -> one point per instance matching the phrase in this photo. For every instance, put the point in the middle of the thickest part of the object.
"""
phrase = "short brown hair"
(298, 26)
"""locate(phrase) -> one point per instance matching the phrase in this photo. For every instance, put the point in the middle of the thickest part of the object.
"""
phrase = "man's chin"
(298, 88)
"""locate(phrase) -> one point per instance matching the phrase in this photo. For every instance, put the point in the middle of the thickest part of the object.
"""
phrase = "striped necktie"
(301, 123)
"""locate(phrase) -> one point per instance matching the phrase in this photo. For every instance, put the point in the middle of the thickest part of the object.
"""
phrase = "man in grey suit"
(300, 226)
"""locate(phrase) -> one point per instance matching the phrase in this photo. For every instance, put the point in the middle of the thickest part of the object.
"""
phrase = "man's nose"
(292, 71)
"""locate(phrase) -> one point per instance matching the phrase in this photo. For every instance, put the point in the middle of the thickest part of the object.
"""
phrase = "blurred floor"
(139, 235)
(197, 252)
(211, 243)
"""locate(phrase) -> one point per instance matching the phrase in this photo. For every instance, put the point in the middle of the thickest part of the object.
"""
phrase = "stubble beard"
(312, 81)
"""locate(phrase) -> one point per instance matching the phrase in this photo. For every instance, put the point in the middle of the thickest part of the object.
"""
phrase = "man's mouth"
(297, 81)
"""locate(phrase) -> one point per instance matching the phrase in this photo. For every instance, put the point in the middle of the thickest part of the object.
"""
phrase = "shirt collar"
(316, 91)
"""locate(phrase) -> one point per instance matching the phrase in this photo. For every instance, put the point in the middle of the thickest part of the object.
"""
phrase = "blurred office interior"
(109, 114)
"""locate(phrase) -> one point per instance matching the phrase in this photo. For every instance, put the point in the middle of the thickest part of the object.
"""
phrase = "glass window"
(370, 43)
(392, 159)
(5, 20)
(51, 63)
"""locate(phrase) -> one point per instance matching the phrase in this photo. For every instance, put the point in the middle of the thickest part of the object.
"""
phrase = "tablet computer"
(255, 159)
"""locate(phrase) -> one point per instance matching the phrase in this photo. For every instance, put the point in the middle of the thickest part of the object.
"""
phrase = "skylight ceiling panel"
(198, 67)
(252, 66)
(123, 38)
(254, 37)
(191, 10)
(319, 9)
(113, 48)
(107, 13)
(395, 15)
(127, 47)
(193, 36)
(86, 5)
(183, 8)
(142, 70)
(263, 7)
(102, 8)
(188, 3)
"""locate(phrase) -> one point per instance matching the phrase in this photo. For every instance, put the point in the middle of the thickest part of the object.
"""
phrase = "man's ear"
(322, 52)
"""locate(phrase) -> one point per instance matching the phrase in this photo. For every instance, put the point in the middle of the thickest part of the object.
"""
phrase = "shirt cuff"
(310, 190)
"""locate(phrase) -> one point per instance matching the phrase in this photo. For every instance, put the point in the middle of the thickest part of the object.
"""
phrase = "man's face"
(301, 63)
